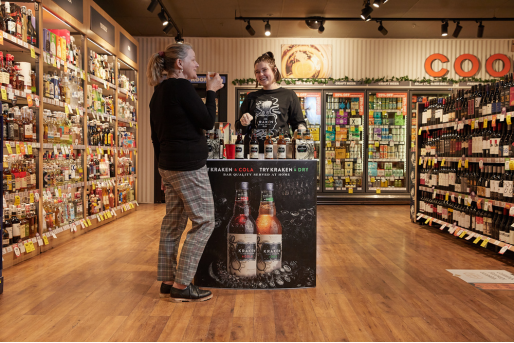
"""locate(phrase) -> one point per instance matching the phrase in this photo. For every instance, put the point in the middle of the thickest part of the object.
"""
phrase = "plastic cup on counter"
(230, 150)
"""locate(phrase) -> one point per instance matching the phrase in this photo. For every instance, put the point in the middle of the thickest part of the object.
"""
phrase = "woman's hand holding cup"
(214, 82)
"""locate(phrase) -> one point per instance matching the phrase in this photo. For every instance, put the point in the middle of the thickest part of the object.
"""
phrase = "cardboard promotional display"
(265, 231)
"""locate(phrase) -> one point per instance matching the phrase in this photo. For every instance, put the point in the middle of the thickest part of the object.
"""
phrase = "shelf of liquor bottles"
(490, 120)
(465, 161)
(468, 198)
(468, 235)
(443, 160)
(50, 160)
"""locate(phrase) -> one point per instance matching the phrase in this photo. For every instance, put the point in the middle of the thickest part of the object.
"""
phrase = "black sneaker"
(165, 290)
(190, 294)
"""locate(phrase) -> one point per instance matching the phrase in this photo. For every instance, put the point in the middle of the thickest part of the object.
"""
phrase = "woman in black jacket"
(178, 118)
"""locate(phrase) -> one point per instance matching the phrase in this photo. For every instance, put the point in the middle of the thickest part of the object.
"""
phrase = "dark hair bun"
(270, 54)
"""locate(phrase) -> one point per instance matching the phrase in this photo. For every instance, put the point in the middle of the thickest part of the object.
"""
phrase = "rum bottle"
(240, 147)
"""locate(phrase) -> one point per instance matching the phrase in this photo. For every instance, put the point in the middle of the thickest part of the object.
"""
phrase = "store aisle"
(380, 278)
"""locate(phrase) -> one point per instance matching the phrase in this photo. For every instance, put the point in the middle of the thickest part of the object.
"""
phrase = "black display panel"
(102, 27)
(74, 7)
(128, 48)
(262, 239)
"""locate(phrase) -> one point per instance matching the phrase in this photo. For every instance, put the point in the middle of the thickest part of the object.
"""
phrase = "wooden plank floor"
(380, 278)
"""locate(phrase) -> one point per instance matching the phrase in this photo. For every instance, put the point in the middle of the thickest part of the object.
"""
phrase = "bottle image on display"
(242, 236)
(269, 234)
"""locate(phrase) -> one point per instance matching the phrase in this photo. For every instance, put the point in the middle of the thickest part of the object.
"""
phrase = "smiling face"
(189, 65)
(265, 75)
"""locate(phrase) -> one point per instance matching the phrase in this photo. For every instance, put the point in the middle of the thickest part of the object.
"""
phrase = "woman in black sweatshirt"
(270, 109)
(178, 118)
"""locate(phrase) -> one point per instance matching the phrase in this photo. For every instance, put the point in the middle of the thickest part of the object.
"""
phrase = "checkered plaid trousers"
(188, 195)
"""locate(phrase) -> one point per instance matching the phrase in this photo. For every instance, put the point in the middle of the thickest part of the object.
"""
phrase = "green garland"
(368, 80)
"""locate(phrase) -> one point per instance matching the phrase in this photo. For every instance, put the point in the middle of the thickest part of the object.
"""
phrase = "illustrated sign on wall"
(306, 61)
(475, 65)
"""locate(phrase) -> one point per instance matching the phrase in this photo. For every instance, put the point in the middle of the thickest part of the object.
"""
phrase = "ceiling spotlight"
(168, 28)
(444, 29)
(314, 23)
(250, 29)
(376, 3)
(368, 18)
(457, 30)
(267, 29)
(179, 39)
(480, 32)
(153, 5)
(321, 28)
(382, 29)
(384, 1)
(162, 17)
(366, 11)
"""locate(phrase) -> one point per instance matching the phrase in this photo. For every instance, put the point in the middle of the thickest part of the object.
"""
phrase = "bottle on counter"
(240, 148)
(281, 146)
(254, 147)
(268, 146)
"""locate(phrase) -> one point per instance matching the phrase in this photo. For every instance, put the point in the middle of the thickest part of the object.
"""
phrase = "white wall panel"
(355, 58)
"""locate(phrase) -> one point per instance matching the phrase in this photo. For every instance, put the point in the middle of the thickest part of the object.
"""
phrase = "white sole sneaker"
(184, 300)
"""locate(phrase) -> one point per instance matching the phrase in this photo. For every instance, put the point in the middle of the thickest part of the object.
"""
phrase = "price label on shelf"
(32, 52)
(378, 191)
(9, 149)
(505, 248)
(509, 116)
(18, 149)
(45, 240)
(466, 163)
(477, 240)
(485, 123)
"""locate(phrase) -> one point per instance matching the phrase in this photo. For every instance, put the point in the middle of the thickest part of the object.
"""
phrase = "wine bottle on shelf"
(493, 143)
(494, 184)
(487, 182)
(477, 106)
(498, 100)
(480, 184)
(503, 136)
(506, 93)
(501, 184)
(485, 107)
(507, 184)
(485, 143)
